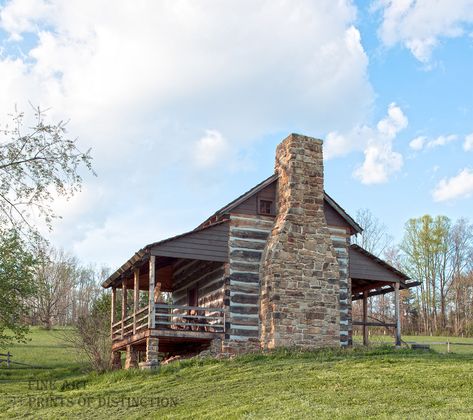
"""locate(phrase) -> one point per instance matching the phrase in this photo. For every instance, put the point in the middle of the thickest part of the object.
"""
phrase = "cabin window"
(265, 207)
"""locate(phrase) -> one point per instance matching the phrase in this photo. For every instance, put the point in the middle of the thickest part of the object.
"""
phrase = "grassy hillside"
(345, 384)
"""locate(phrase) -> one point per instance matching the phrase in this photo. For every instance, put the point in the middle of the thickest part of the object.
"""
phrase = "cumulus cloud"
(417, 143)
(381, 161)
(422, 142)
(459, 186)
(468, 144)
(394, 122)
(420, 25)
(143, 81)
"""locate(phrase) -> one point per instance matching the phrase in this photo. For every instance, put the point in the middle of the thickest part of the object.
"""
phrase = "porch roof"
(208, 243)
(372, 274)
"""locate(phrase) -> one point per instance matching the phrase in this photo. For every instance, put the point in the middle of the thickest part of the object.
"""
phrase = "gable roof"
(255, 190)
(209, 223)
(268, 181)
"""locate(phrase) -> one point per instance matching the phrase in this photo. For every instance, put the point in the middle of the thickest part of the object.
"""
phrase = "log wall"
(207, 276)
(341, 242)
(248, 236)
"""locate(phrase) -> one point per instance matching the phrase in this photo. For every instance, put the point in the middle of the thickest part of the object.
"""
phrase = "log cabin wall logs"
(248, 236)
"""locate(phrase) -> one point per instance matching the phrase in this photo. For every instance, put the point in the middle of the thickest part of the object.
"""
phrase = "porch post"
(124, 304)
(136, 296)
(397, 312)
(152, 279)
(113, 317)
(365, 318)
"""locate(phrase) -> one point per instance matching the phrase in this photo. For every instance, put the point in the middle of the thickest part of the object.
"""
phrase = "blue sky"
(183, 104)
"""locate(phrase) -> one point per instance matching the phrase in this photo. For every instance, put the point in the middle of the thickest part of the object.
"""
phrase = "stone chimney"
(299, 297)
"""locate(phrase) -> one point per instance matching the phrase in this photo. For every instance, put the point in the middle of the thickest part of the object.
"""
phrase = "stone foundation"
(299, 296)
(152, 354)
(234, 347)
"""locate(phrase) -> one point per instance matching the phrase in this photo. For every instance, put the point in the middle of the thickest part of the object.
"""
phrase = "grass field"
(440, 348)
(374, 383)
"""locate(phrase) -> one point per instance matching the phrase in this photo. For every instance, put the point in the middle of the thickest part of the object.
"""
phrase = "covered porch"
(371, 276)
(146, 320)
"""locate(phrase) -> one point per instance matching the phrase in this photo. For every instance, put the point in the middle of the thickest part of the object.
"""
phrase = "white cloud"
(421, 24)
(141, 82)
(380, 162)
(459, 186)
(211, 149)
(468, 144)
(441, 141)
(417, 143)
(422, 142)
(376, 143)
(394, 122)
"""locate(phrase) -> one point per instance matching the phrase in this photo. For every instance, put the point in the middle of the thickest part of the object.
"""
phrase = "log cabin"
(273, 268)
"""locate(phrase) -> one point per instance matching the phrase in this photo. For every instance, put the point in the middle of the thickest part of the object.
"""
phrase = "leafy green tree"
(436, 253)
(16, 285)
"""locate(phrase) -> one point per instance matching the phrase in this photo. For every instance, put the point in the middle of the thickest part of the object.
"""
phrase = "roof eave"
(137, 257)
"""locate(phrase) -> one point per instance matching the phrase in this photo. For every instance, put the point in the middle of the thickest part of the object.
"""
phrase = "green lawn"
(378, 383)
(441, 348)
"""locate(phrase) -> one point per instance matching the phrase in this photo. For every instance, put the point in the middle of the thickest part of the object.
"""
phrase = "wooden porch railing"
(175, 317)
(190, 318)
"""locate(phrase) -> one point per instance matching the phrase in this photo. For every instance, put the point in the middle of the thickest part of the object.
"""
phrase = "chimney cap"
(304, 137)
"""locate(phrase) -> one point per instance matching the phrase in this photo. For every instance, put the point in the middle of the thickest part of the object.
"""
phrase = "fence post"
(8, 359)
(448, 346)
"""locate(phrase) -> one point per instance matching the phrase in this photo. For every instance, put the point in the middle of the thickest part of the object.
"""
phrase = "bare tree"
(92, 336)
(55, 278)
(374, 238)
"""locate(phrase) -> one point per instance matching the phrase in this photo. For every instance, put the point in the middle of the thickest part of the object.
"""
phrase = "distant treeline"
(439, 254)
(65, 290)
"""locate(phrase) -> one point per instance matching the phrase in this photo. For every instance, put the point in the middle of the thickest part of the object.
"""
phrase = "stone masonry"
(152, 354)
(299, 296)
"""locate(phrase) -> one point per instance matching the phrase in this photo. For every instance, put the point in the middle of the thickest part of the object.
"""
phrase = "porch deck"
(172, 324)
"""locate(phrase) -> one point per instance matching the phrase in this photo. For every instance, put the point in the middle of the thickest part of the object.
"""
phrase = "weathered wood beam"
(124, 304)
(136, 296)
(152, 280)
(397, 302)
(377, 292)
(365, 318)
(369, 286)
